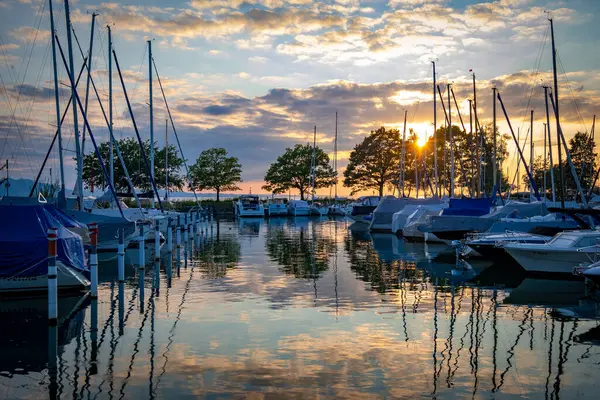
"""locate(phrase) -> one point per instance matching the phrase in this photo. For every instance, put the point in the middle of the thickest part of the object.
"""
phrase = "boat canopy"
(516, 209)
(24, 241)
(466, 206)
(298, 204)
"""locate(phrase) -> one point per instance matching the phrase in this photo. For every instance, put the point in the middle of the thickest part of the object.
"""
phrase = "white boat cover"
(384, 213)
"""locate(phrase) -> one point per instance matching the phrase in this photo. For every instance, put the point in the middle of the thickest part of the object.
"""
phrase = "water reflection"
(307, 308)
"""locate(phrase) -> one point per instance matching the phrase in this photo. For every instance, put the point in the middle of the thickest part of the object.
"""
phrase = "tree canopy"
(292, 170)
(214, 170)
(130, 149)
(374, 163)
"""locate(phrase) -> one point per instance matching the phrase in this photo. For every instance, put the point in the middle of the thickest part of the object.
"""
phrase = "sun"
(421, 139)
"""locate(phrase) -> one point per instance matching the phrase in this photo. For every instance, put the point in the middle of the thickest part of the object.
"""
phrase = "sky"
(256, 76)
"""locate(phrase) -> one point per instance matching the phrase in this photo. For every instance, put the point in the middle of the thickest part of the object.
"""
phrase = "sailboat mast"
(151, 115)
(451, 142)
(556, 112)
(335, 156)
(435, 160)
(62, 199)
(403, 157)
(531, 144)
(550, 145)
(545, 161)
(110, 110)
(89, 73)
(494, 134)
(312, 165)
(79, 184)
(166, 160)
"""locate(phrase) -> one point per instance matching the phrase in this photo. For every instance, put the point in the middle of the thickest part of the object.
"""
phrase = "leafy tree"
(292, 171)
(130, 149)
(214, 170)
(374, 162)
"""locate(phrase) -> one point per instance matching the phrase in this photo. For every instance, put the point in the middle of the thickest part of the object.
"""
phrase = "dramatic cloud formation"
(257, 76)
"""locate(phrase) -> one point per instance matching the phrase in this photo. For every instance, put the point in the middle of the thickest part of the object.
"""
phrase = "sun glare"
(422, 139)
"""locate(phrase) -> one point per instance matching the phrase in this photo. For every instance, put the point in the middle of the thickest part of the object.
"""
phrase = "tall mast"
(61, 198)
(477, 188)
(550, 145)
(494, 131)
(451, 142)
(166, 160)
(403, 157)
(592, 141)
(312, 165)
(151, 114)
(335, 155)
(518, 163)
(87, 84)
(110, 110)
(479, 135)
(79, 184)
(556, 111)
(531, 145)
(435, 161)
(545, 161)
(415, 142)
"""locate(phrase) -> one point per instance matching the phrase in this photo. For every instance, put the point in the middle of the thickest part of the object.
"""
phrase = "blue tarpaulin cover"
(24, 242)
(468, 207)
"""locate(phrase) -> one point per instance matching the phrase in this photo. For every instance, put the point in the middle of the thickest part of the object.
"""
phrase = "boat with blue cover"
(24, 249)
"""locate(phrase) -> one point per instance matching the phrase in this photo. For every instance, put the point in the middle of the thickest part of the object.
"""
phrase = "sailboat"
(336, 208)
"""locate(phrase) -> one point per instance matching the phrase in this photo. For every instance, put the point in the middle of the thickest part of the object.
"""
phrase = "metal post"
(151, 114)
(494, 133)
(545, 162)
(87, 85)
(169, 237)
(451, 142)
(79, 156)
(531, 145)
(52, 277)
(93, 228)
(157, 240)
(178, 235)
(121, 308)
(435, 161)
(110, 110)
(550, 146)
(142, 258)
(121, 256)
(556, 112)
(62, 200)
(185, 229)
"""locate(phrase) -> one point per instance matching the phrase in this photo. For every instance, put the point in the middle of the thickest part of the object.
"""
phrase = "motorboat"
(24, 250)
(491, 245)
(592, 273)
(363, 207)
(318, 209)
(276, 207)
(561, 254)
(422, 216)
(339, 209)
(297, 208)
(383, 215)
(249, 205)
(465, 216)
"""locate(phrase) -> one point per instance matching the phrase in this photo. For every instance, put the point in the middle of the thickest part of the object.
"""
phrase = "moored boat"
(298, 208)
(249, 206)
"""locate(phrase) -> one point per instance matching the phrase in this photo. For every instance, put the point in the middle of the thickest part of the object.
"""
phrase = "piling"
(157, 240)
(53, 361)
(185, 229)
(121, 256)
(121, 308)
(157, 277)
(142, 258)
(52, 277)
(93, 228)
(169, 237)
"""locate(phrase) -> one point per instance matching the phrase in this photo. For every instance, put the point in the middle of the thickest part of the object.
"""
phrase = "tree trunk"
(218, 192)
(381, 189)
(301, 194)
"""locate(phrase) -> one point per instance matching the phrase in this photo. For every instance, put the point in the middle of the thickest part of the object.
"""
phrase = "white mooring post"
(198, 224)
(185, 229)
(93, 228)
(142, 258)
(121, 256)
(157, 241)
(169, 237)
(52, 277)
(178, 235)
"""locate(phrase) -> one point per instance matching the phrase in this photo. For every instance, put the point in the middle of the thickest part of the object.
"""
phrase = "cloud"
(8, 47)
(258, 59)
(28, 33)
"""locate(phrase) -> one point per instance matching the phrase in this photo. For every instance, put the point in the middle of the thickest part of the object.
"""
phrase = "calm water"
(308, 308)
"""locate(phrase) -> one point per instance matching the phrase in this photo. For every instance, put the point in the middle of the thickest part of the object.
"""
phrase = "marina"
(306, 307)
(282, 254)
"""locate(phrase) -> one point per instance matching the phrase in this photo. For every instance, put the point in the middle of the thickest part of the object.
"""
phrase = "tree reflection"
(302, 251)
(220, 254)
(383, 275)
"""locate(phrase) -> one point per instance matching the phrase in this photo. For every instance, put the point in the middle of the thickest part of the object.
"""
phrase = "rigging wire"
(566, 80)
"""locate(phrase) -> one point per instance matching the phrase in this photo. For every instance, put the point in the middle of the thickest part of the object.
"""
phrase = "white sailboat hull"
(547, 260)
(68, 279)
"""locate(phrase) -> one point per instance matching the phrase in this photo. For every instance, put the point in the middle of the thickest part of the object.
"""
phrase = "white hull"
(548, 260)
(68, 279)
(251, 213)
(322, 211)
(277, 212)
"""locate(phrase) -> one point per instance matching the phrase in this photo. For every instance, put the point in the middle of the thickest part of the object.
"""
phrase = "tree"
(292, 170)
(374, 162)
(130, 149)
(214, 170)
